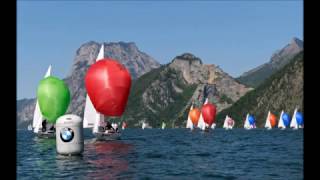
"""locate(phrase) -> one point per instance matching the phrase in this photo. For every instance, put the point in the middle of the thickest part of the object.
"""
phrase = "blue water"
(168, 154)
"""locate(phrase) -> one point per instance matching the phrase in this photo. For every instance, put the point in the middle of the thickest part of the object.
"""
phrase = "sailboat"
(228, 123)
(247, 124)
(225, 123)
(294, 123)
(281, 124)
(145, 125)
(163, 125)
(189, 121)
(268, 124)
(38, 117)
(207, 118)
(299, 119)
(231, 123)
(93, 119)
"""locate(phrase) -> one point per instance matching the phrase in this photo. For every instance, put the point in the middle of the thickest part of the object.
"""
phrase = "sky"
(236, 35)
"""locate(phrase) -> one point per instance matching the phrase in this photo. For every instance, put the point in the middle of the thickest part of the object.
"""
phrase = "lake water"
(168, 154)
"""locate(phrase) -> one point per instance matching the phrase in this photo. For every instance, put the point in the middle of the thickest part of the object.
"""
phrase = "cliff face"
(166, 93)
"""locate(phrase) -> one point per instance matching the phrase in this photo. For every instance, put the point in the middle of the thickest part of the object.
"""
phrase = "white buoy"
(69, 135)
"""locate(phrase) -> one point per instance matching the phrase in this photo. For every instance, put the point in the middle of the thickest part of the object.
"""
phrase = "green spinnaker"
(54, 97)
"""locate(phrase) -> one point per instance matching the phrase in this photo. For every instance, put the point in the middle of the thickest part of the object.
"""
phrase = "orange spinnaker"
(194, 116)
(273, 120)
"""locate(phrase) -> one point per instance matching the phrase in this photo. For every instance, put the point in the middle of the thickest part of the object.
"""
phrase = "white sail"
(37, 115)
(225, 124)
(294, 123)
(37, 118)
(163, 125)
(213, 125)
(101, 53)
(144, 125)
(99, 118)
(48, 73)
(246, 123)
(206, 102)
(280, 123)
(189, 121)
(91, 116)
(201, 123)
(268, 124)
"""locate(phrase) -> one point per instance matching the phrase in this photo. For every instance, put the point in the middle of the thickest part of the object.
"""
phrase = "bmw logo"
(66, 134)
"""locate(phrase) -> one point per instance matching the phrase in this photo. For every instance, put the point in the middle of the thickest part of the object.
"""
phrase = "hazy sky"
(236, 35)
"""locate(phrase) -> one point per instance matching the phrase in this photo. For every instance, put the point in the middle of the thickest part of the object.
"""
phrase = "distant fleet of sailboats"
(195, 119)
(203, 119)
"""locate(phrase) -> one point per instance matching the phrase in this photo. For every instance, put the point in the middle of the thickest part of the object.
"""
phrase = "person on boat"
(44, 125)
(109, 127)
(52, 128)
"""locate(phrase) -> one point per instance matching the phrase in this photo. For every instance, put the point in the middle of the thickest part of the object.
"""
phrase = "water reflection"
(44, 144)
(109, 161)
(43, 157)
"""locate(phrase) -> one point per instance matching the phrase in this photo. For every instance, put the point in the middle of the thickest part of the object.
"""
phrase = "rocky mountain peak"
(278, 60)
(295, 46)
(126, 53)
(188, 57)
(297, 42)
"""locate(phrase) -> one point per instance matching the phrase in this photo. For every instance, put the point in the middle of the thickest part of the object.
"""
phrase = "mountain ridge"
(281, 91)
(279, 59)
(166, 93)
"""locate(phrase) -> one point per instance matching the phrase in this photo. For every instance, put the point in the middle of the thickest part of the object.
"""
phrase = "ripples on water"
(168, 154)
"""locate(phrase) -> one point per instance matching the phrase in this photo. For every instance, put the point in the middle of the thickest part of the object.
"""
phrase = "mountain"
(166, 93)
(281, 91)
(278, 60)
(25, 108)
(137, 62)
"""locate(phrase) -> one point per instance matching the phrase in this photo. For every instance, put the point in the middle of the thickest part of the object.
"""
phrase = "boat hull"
(46, 134)
(101, 136)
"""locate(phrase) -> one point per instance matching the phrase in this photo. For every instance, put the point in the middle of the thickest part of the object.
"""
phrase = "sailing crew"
(109, 126)
(44, 125)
